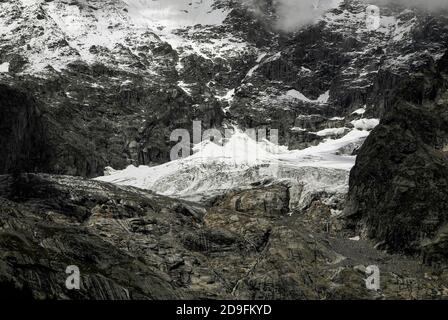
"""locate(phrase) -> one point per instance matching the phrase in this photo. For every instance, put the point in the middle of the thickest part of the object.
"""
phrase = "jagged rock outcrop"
(273, 200)
(23, 139)
(398, 188)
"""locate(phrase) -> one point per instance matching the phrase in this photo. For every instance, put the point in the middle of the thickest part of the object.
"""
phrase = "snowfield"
(4, 67)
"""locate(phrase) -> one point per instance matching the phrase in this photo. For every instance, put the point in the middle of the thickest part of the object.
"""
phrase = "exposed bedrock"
(399, 186)
(133, 244)
(22, 134)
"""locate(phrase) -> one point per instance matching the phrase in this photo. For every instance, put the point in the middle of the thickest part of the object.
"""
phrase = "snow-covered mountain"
(323, 131)
(91, 92)
(116, 77)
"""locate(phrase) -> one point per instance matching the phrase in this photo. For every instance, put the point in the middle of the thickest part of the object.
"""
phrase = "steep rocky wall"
(86, 119)
(399, 186)
(22, 134)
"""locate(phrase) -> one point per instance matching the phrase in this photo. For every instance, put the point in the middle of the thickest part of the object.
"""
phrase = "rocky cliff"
(398, 185)
(23, 135)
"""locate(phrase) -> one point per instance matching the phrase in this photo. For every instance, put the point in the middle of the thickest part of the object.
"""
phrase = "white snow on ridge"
(297, 95)
(175, 14)
(4, 67)
(228, 96)
(359, 111)
(166, 17)
(327, 154)
(112, 31)
(260, 58)
(199, 171)
(323, 98)
(365, 124)
(28, 2)
(331, 132)
(184, 87)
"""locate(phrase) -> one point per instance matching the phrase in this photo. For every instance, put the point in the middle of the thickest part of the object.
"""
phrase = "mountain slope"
(398, 186)
(133, 244)
(94, 89)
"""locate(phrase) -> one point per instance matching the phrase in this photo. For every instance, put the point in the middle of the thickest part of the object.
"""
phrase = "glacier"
(242, 162)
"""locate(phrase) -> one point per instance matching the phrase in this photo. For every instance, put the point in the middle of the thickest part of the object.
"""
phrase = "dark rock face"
(88, 128)
(398, 188)
(132, 244)
(36, 251)
(360, 70)
(23, 141)
(273, 200)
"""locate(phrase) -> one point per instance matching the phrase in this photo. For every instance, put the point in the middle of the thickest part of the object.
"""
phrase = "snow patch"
(365, 124)
(331, 132)
(323, 98)
(294, 94)
(359, 111)
(227, 97)
(4, 67)
(184, 87)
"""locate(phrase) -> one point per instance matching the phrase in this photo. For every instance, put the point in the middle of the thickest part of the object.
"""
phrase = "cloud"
(293, 14)
(423, 4)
